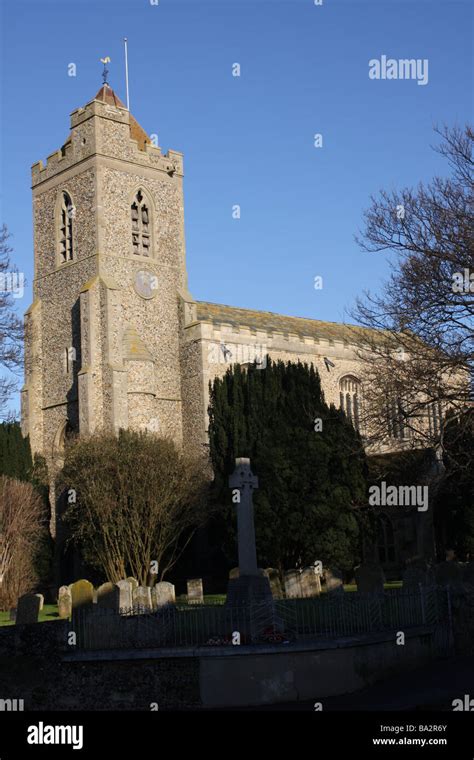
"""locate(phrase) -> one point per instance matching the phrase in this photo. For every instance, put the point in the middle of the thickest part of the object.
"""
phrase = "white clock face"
(146, 283)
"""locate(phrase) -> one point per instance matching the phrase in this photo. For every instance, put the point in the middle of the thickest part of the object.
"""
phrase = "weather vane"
(105, 61)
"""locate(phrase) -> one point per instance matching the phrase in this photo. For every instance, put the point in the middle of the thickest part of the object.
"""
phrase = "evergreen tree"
(454, 507)
(15, 452)
(309, 479)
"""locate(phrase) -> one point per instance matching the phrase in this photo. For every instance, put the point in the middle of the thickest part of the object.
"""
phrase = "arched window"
(66, 217)
(349, 395)
(397, 418)
(141, 225)
(435, 418)
(385, 540)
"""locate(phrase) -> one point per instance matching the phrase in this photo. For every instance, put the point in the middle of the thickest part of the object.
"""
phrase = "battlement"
(107, 129)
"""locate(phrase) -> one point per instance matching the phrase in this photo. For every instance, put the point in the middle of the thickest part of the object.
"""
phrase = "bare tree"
(11, 327)
(22, 522)
(133, 500)
(419, 363)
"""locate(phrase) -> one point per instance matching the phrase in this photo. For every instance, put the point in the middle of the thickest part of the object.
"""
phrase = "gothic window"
(397, 416)
(141, 225)
(435, 414)
(66, 218)
(385, 540)
(349, 395)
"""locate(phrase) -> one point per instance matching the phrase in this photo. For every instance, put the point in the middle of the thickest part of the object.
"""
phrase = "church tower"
(102, 346)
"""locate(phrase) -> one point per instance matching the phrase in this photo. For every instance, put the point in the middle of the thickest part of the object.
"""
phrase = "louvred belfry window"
(66, 250)
(141, 228)
(349, 395)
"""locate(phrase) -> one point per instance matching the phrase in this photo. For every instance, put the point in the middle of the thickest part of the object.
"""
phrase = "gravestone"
(134, 582)
(292, 581)
(275, 582)
(12, 614)
(251, 585)
(195, 593)
(27, 610)
(108, 597)
(310, 582)
(163, 595)
(82, 594)
(64, 602)
(125, 602)
(142, 599)
(468, 575)
(41, 600)
(448, 573)
(334, 580)
(370, 578)
(234, 573)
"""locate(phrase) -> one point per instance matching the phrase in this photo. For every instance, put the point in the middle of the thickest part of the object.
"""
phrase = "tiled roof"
(107, 95)
(268, 321)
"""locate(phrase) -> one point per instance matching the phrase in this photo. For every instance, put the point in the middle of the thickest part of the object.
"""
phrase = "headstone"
(251, 585)
(12, 614)
(125, 595)
(41, 599)
(370, 578)
(142, 599)
(27, 610)
(448, 573)
(64, 602)
(275, 582)
(234, 573)
(82, 593)
(334, 580)
(134, 582)
(108, 597)
(310, 582)
(195, 593)
(468, 575)
(292, 581)
(163, 595)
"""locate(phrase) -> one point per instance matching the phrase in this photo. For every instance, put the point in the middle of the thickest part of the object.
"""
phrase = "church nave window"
(349, 396)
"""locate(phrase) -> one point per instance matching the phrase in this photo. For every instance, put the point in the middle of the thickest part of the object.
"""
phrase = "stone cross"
(243, 480)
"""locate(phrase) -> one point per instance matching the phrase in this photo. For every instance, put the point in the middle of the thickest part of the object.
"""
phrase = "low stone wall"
(32, 668)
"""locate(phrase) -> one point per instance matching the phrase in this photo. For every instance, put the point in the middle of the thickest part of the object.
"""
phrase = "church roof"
(268, 321)
(108, 96)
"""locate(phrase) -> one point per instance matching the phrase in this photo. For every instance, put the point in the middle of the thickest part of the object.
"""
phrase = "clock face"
(146, 283)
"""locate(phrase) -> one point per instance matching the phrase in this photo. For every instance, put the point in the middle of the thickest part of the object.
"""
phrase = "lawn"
(50, 611)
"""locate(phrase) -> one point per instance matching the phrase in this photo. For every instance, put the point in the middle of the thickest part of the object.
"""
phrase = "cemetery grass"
(49, 612)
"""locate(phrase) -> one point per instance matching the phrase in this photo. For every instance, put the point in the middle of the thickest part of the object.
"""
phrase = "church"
(114, 338)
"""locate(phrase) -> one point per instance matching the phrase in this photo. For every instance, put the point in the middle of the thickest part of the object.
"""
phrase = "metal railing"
(285, 620)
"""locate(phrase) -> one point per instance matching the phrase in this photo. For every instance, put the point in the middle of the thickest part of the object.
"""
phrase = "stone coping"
(316, 645)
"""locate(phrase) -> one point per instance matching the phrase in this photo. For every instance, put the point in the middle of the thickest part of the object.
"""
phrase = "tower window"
(349, 395)
(66, 219)
(141, 226)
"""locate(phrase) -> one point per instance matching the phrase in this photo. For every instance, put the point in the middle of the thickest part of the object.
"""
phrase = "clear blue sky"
(247, 140)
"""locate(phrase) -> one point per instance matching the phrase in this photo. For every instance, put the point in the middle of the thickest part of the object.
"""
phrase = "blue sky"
(247, 140)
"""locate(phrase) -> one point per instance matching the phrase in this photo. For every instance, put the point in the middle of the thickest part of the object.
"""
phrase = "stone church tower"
(110, 286)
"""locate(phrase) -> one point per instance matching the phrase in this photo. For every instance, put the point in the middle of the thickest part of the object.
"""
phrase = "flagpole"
(126, 71)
